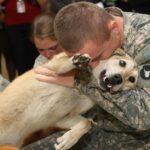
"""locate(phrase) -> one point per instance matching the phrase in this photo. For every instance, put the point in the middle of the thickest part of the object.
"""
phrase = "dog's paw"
(81, 60)
(66, 141)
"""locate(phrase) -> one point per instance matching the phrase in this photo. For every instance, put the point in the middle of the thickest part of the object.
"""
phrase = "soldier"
(123, 118)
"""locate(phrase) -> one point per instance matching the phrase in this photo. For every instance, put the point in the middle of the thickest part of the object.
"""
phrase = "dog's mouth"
(104, 83)
(108, 84)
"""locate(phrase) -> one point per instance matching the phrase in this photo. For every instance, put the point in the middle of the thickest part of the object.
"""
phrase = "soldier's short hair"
(79, 22)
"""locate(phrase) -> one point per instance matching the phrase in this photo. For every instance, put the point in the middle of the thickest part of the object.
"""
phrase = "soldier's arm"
(131, 107)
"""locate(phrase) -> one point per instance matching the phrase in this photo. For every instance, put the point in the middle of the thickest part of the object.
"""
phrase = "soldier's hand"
(43, 74)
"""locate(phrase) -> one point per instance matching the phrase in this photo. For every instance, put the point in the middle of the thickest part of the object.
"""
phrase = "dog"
(28, 105)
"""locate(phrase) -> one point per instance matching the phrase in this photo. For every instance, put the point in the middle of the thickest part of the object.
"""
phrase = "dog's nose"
(116, 79)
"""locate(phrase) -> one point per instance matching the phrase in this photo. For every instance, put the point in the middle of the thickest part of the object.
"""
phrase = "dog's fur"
(28, 105)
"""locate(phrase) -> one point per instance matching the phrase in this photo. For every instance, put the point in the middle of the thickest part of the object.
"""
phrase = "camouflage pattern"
(40, 60)
(3, 83)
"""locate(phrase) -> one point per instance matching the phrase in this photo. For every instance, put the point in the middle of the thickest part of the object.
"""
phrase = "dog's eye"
(122, 63)
(131, 79)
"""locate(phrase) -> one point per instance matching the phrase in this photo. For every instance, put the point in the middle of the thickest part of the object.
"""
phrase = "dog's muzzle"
(107, 83)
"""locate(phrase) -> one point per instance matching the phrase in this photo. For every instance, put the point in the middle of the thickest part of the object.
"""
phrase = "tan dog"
(27, 105)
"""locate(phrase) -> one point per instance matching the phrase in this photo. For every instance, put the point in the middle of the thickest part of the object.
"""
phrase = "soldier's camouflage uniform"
(40, 60)
(124, 120)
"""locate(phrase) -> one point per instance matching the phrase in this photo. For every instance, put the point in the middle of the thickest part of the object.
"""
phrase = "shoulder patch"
(145, 72)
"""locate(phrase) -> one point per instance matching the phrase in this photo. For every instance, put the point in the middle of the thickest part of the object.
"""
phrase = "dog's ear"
(119, 52)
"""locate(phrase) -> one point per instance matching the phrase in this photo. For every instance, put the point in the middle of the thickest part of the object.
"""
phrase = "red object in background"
(14, 18)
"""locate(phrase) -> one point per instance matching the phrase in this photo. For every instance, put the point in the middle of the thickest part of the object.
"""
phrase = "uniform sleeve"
(40, 60)
(3, 83)
(131, 107)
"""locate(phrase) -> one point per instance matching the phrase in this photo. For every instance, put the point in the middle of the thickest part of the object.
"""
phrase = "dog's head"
(117, 73)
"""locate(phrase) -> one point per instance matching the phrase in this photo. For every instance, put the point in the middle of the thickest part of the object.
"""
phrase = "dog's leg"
(74, 62)
(66, 67)
(78, 127)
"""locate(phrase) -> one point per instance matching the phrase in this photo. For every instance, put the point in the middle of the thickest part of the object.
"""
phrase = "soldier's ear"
(114, 29)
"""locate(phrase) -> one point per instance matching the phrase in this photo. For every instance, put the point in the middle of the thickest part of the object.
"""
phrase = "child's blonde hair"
(42, 27)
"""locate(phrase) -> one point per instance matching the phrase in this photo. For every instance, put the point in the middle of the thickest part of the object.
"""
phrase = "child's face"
(47, 47)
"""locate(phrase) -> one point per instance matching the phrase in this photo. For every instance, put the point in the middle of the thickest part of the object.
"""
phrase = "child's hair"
(42, 27)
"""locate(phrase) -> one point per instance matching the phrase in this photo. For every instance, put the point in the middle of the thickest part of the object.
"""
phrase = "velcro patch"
(145, 72)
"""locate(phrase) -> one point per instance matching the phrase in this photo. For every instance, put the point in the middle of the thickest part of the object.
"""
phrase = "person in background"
(123, 118)
(44, 39)
(18, 19)
(42, 35)
(20, 28)
(5, 48)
